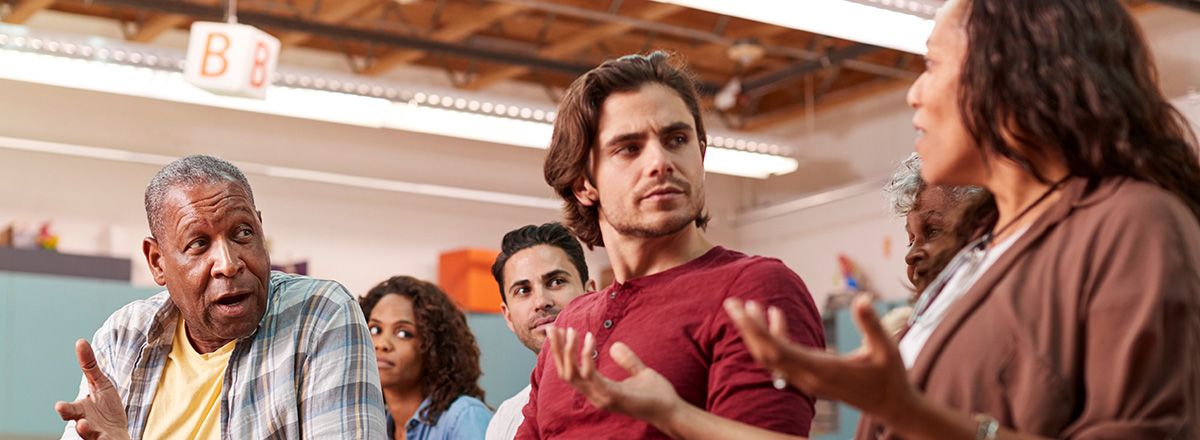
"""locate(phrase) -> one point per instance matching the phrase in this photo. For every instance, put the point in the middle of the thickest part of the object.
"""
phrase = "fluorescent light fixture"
(108, 67)
(290, 173)
(747, 164)
(848, 20)
(480, 127)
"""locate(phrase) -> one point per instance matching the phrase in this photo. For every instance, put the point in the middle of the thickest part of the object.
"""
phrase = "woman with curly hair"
(428, 362)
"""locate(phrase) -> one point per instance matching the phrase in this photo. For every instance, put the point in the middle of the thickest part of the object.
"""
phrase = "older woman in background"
(927, 212)
(428, 362)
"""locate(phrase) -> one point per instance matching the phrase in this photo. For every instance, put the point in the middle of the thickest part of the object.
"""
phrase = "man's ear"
(154, 259)
(585, 193)
(507, 320)
(590, 286)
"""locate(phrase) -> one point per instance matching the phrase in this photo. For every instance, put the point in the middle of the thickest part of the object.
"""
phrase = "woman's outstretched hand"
(872, 378)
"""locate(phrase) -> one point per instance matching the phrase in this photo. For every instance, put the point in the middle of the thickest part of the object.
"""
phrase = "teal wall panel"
(43, 316)
(506, 363)
(6, 331)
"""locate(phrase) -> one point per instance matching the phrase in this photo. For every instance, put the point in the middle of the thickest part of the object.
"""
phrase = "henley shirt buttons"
(608, 323)
(595, 354)
(612, 295)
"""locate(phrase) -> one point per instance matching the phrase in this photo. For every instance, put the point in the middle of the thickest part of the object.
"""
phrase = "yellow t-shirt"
(187, 402)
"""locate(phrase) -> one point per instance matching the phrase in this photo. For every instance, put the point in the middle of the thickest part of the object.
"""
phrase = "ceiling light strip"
(289, 173)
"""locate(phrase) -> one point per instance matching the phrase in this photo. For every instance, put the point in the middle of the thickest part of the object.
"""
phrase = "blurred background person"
(928, 212)
(428, 362)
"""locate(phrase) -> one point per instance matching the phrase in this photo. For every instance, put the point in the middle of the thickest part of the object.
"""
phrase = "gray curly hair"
(906, 185)
(188, 171)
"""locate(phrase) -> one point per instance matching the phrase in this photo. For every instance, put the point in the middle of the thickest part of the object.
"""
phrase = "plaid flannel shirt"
(307, 371)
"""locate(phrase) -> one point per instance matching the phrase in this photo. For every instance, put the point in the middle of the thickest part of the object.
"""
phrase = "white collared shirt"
(955, 288)
(508, 416)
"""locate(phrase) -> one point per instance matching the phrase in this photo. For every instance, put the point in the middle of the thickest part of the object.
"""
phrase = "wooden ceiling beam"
(156, 25)
(162, 22)
(573, 44)
(25, 9)
(337, 12)
(449, 33)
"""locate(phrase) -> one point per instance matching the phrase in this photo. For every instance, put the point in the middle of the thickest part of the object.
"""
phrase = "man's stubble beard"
(625, 227)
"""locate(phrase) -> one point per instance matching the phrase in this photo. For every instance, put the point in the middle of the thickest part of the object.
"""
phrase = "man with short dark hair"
(231, 349)
(540, 269)
(627, 157)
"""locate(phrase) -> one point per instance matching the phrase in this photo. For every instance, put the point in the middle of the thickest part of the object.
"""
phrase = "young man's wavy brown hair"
(576, 128)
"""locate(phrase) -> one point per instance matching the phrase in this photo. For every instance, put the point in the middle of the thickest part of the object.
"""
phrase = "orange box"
(466, 275)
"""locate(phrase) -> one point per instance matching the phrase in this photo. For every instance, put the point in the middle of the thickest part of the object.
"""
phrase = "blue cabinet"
(41, 317)
(841, 334)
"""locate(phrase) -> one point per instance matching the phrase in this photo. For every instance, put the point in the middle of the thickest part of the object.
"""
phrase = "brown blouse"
(1087, 328)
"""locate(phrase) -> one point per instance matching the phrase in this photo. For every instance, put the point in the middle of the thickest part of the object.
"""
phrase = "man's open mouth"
(230, 300)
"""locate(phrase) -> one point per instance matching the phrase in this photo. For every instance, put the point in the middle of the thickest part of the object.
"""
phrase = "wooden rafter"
(337, 12)
(156, 25)
(573, 44)
(25, 9)
(159, 23)
(451, 32)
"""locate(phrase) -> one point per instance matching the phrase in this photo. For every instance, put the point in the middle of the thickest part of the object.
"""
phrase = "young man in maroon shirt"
(627, 157)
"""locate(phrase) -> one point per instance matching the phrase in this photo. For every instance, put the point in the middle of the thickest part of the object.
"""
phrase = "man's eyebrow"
(670, 128)
(517, 283)
(635, 136)
(679, 126)
(554, 273)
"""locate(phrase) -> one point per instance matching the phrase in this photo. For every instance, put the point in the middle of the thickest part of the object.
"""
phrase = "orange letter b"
(258, 74)
(209, 53)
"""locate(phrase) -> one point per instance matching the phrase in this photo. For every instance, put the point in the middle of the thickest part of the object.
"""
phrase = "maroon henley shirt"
(674, 321)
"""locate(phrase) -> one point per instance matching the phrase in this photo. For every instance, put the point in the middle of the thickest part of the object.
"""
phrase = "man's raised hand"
(99, 414)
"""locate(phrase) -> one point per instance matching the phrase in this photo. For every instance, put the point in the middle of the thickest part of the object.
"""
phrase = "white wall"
(356, 236)
(809, 241)
(1189, 105)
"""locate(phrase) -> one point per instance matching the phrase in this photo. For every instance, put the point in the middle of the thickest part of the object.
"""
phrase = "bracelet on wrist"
(988, 427)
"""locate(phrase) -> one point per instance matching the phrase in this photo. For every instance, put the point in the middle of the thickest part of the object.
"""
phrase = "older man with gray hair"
(231, 349)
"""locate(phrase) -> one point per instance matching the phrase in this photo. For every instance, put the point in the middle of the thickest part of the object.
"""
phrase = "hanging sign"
(231, 59)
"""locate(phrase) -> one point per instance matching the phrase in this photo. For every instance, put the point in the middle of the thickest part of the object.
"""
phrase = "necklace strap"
(987, 238)
(968, 255)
